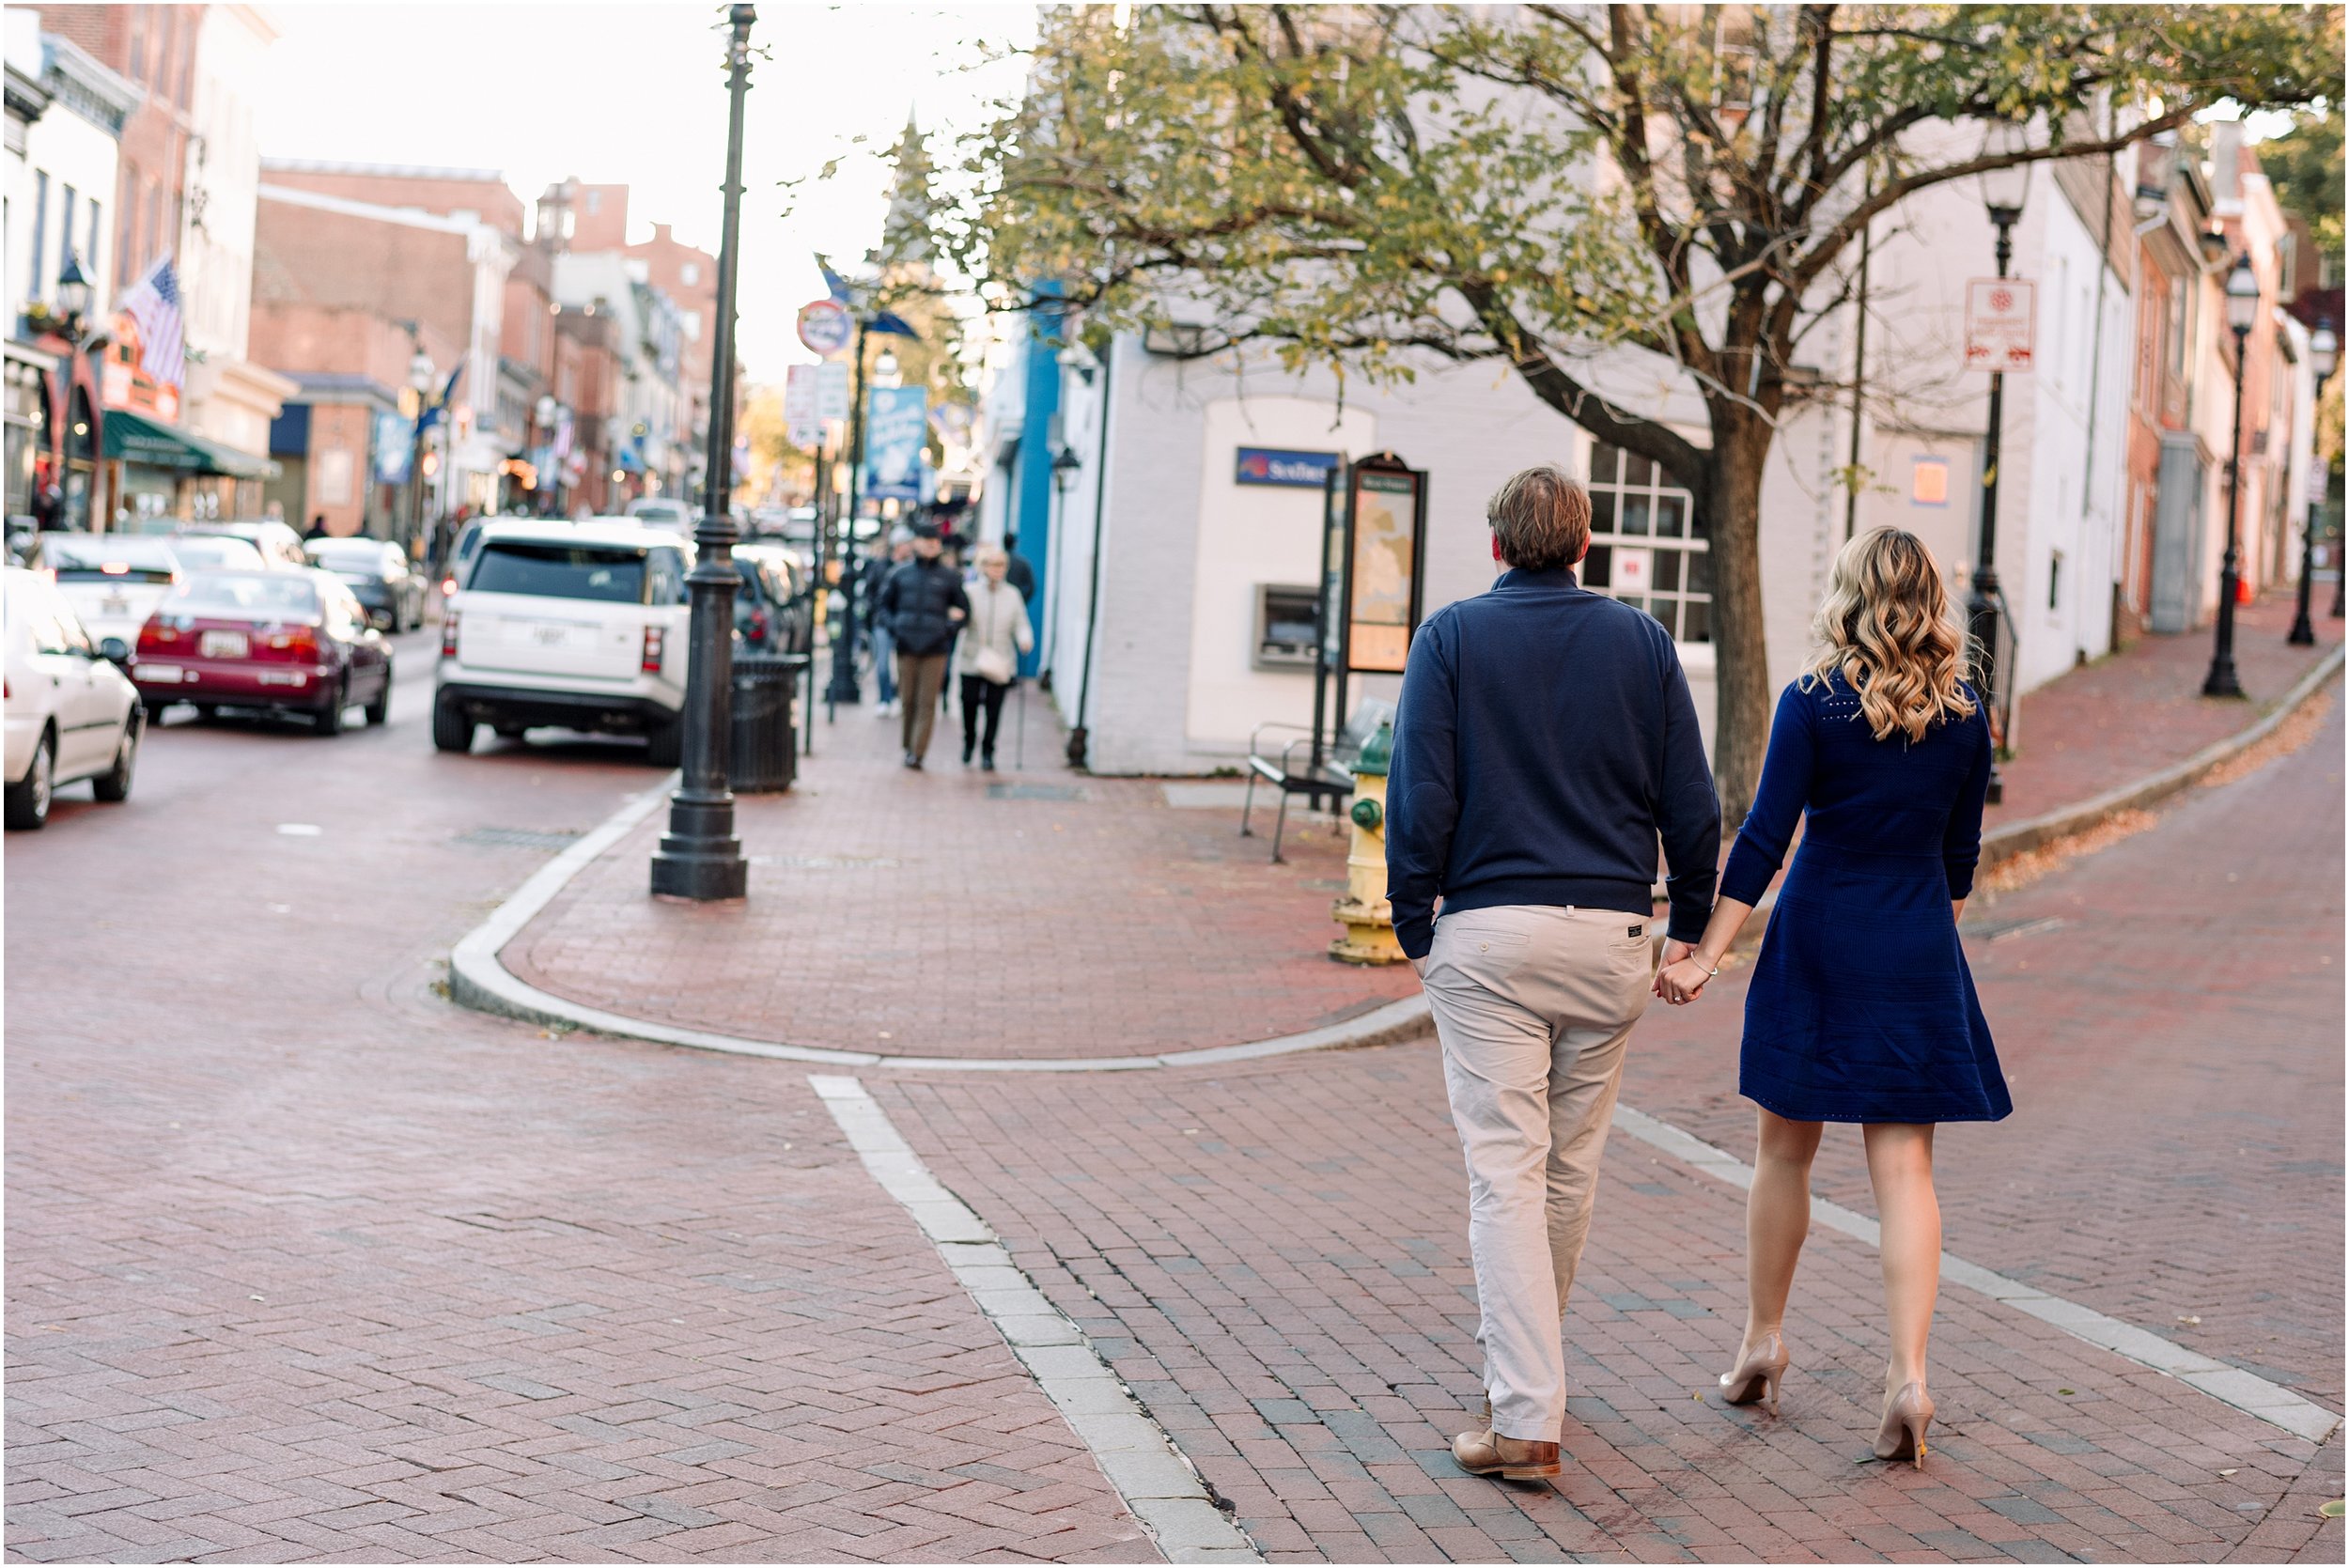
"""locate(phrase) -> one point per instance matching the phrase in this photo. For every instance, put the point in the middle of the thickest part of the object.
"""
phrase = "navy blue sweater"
(1544, 742)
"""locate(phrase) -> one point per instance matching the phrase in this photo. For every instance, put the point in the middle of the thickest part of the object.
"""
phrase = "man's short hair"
(1542, 519)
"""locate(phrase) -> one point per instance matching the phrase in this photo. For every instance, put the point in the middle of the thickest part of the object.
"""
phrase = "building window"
(1648, 546)
(125, 247)
(689, 274)
(89, 261)
(65, 226)
(38, 288)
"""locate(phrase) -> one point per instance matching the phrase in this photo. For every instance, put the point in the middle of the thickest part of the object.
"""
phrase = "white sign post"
(825, 328)
(2000, 320)
(804, 425)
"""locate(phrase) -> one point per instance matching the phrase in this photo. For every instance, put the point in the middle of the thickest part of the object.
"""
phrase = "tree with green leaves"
(1553, 187)
(2305, 165)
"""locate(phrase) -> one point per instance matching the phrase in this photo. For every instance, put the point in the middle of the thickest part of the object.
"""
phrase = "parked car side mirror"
(114, 650)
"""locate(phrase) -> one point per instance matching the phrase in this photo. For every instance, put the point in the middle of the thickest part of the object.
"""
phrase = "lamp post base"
(700, 858)
(2222, 680)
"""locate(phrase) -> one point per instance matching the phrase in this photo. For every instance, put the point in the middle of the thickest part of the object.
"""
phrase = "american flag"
(153, 302)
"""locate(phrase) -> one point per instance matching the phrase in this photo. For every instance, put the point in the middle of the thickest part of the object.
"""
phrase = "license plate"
(223, 644)
(115, 604)
(551, 636)
(162, 675)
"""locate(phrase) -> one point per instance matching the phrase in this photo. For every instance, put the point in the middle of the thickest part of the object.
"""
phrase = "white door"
(64, 655)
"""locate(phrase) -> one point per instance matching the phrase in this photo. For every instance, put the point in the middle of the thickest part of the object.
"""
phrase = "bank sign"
(1266, 465)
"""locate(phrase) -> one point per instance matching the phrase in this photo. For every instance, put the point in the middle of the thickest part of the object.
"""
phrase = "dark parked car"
(378, 574)
(770, 608)
(286, 642)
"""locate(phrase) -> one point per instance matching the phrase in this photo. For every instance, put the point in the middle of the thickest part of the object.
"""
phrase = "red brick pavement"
(302, 1263)
(2121, 717)
(927, 914)
(1274, 1256)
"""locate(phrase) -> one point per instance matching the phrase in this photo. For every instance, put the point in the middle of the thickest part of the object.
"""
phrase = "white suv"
(576, 624)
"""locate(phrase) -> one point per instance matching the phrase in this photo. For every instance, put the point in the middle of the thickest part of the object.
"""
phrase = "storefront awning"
(134, 438)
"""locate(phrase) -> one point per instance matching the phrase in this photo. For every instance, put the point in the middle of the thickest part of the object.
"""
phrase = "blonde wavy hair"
(1886, 626)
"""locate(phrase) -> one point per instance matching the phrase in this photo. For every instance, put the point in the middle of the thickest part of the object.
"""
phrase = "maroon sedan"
(289, 641)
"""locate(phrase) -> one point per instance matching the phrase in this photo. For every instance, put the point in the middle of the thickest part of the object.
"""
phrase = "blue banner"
(1266, 465)
(391, 437)
(897, 423)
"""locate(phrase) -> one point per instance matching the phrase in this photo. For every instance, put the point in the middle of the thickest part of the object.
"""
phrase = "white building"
(226, 397)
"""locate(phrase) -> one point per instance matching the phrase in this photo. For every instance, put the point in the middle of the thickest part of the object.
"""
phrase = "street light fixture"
(73, 298)
(2243, 303)
(700, 858)
(2004, 191)
(2324, 353)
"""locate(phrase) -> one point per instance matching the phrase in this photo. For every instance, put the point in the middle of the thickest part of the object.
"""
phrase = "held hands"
(1683, 976)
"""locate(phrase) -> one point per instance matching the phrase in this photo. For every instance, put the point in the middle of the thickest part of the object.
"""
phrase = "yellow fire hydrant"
(1368, 918)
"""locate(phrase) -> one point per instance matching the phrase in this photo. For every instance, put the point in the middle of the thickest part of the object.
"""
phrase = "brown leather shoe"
(1510, 1458)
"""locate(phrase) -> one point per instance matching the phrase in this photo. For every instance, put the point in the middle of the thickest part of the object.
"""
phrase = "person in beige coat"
(988, 661)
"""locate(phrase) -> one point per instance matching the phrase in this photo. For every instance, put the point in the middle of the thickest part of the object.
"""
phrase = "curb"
(477, 980)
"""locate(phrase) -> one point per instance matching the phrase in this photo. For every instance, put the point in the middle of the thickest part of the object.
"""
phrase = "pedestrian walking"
(1861, 1008)
(1544, 744)
(888, 555)
(318, 527)
(923, 602)
(1019, 574)
(988, 657)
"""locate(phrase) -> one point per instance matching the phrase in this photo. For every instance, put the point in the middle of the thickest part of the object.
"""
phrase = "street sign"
(1266, 465)
(825, 328)
(832, 392)
(801, 421)
(2000, 320)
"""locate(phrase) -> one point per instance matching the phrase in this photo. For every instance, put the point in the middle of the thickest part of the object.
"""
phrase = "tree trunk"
(1741, 726)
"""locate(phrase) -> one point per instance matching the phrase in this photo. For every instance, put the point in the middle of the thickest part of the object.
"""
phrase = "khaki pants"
(1533, 1006)
(921, 676)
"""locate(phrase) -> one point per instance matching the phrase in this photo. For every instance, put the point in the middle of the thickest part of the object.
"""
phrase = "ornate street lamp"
(74, 299)
(700, 858)
(2324, 353)
(2243, 303)
(2004, 192)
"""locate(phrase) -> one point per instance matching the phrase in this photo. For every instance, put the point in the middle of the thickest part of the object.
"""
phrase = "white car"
(114, 582)
(71, 714)
(581, 625)
(664, 511)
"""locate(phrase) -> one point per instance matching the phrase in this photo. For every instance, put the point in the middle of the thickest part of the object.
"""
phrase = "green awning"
(134, 438)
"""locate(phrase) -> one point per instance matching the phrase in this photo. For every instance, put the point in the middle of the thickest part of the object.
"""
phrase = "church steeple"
(906, 230)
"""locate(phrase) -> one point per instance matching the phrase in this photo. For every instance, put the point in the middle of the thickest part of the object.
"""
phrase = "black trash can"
(766, 741)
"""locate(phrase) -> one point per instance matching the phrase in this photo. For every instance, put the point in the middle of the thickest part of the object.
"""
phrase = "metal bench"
(1289, 767)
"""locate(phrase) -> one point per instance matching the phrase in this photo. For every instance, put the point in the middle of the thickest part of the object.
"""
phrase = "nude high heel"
(1906, 1414)
(1756, 1376)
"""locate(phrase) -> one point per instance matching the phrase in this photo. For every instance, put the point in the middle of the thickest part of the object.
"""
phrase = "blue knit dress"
(1861, 1008)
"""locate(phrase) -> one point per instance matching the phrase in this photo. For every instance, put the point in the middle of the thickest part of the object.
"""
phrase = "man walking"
(889, 553)
(922, 603)
(1544, 743)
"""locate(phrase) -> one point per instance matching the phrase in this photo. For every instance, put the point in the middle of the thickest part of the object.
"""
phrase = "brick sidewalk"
(952, 914)
(2122, 718)
(1044, 915)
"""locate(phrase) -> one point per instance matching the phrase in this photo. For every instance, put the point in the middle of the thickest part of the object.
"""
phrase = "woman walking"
(989, 659)
(1861, 1008)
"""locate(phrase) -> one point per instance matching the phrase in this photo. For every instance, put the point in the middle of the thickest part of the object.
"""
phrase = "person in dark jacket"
(1544, 744)
(1017, 571)
(923, 604)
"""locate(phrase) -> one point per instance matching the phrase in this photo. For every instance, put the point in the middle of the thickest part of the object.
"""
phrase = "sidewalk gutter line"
(1141, 1461)
(2247, 1392)
(479, 980)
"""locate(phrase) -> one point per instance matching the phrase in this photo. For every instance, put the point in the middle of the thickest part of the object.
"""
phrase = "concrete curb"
(479, 980)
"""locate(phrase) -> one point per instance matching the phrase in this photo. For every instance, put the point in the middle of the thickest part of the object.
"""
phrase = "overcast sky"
(636, 94)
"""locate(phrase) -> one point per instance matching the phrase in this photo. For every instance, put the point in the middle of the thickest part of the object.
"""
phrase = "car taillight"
(758, 625)
(448, 586)
(448, 632)
(650, 664)
(154, 634)
(299, 643)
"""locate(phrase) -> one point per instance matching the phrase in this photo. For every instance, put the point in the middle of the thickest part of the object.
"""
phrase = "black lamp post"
(420, 377)
(2324, 353)
(700, 858)
(2004, 192)
(2243, 301)
(74, 299)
